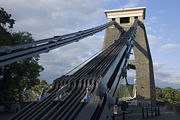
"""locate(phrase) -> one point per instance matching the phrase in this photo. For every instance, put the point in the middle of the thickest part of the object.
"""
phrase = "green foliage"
(123, 91)
(5, 19)
(38, 88)
(14, 78)
(167, 94)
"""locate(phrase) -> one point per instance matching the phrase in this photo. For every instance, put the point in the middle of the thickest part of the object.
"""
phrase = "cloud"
(40, 16)
(131, 3)
(151, 20)
(131, 75)
(153, 39)
(158, 65)
(165, 78)
(169, 47)
(61, 60)
(48, 18)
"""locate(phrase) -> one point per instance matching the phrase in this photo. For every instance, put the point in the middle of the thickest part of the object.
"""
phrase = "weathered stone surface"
(144, 67)
(111, 34)
(143, 61)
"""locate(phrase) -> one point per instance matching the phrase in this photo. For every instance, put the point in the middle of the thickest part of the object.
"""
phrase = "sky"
(48, 18)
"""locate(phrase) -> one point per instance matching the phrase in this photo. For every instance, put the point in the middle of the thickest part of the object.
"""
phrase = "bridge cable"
(83, 62)
(11, 54)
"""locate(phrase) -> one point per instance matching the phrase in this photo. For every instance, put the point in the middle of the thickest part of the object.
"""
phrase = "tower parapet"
(126, 17)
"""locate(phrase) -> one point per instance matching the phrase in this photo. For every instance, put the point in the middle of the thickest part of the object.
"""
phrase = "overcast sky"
(48, 18)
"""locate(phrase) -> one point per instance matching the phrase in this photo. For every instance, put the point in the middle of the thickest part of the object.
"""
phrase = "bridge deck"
(165, 115)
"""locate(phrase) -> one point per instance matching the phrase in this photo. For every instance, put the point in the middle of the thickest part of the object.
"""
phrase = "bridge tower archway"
(143, 61)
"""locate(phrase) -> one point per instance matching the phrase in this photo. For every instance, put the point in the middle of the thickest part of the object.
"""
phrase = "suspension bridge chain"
(87, 93)
(10, 54)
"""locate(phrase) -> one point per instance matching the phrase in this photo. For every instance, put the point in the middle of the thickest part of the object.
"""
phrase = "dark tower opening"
(136, 17)
(113, 19)
(124, 20)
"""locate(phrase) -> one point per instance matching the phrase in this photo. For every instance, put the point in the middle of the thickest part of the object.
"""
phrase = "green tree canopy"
(167, 94)
(14, 78)
(5, 19)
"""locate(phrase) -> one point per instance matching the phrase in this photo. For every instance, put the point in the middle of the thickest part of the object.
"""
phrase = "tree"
(159, 94)
(125, 90)
(14, 78)
(38, 88)
(5, 19)
(167, 94)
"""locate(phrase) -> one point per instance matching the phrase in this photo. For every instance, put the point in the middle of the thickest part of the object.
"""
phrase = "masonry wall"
(111, 34)
(144, 67)
(143, 61)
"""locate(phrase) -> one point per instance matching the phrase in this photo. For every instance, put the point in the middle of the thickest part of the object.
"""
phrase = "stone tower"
(143, 61)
